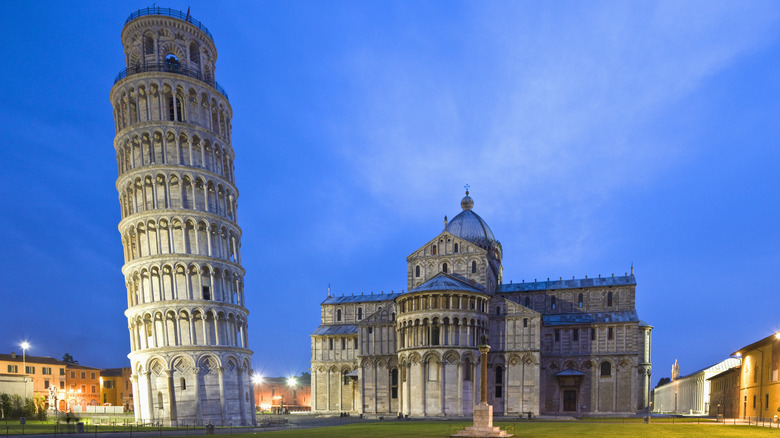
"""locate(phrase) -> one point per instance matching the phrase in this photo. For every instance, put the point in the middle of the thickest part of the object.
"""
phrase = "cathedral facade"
(557, 347)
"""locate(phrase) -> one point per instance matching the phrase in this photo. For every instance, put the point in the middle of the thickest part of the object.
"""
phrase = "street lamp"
(25, 345)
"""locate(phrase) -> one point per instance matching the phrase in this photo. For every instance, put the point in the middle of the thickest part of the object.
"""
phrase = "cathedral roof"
(444, 281)
(568, 284)
(335, 329)
(360, 298)
(470, 226)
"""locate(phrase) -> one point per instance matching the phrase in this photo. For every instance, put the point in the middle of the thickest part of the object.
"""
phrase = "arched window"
(183, 384)
(579, 301)
(338, 314)
(473, 267)
(416, 271)
(148, 44)
(609, 299)
(360, 313)
(606, 369)
(527, 301)
(498, 310)
(444, 268)
(159, 400)
(456, 248)
(467, 369)
(433, 249)
(552, 302)
(171, 62)
(194, 53)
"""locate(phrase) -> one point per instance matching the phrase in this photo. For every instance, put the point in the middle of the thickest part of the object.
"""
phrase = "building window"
(330, 344)
(83, 374)
(456, 248)
(62, 371)
(343, 343)
(552, 302)
(13, 368)
(499, 381)
(606, 369)
(527, 301)
(525, 322)
(29, 370)
(575, 334)
(754, 401)
(338, 314)
(557, 335)
(610, 333)
(183, 384)
(444, 268)
(360, 313)
(354, 343)
(206, 293)
(609, 299)
(473, 267)
(91, 375)
(433, 249)
(46, 371)
(83, 389)
(45, 383)
(370, 330)
(579, 301)
(416, 271)
(592, 334)
(108, 384)
(62, 384)
(394, 383)
(498, 310)
(72, 374)
(159, 400)
(467, 369)
(94, 389)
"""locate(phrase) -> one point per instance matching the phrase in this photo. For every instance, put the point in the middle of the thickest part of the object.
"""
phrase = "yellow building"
(82, 388)
(116, 388)
(759, 382)
(40, 372)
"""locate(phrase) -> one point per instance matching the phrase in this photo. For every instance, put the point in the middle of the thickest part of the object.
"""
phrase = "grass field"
(530, 429)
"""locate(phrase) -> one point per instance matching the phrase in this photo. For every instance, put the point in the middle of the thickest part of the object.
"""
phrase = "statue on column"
(52, 398)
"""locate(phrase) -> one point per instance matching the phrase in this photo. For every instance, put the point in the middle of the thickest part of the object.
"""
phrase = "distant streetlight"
(25, 345)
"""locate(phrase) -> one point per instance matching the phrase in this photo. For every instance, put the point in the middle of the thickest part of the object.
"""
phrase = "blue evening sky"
(593, 134)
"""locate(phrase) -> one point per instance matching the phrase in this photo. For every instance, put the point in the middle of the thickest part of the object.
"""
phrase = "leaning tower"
(185, 290)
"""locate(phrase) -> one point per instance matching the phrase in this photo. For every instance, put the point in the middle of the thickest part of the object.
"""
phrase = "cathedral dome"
(469, 226)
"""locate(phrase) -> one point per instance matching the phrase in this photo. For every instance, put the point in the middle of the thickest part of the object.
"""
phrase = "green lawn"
(529, 429)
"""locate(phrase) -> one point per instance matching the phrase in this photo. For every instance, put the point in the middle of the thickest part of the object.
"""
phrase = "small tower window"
(575, 334)
(171, 62)
(338, 314)
(360, 313)
(557, 335)
(473, 267)
(456, 248)
(552, 302)
(148, 44)
(433, 249)
(606, 369)
(444, 268)
(206, 293)
(499, 381)
(609, 299)
(183, 384)
(527, 301)
(417, 271)
(579, 301)
(610, 333)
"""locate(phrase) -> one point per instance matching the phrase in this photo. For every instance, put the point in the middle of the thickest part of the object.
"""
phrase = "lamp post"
(257, 380)
(25, 345)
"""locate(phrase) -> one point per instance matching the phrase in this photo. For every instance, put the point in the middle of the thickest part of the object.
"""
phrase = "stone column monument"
(483, 412)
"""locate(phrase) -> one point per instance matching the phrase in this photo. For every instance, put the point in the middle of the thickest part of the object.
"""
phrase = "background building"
(557, 347)
(690, 394)
(724, 393)
(182, 244)
(116, 388)
(277, 394)
(82, 388)
(41, 372)
(759, 382)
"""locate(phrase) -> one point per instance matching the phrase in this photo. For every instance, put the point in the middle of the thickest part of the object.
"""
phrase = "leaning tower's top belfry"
(182, 242)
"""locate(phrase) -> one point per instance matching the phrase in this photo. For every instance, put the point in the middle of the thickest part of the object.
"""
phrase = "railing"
(168, 12)
(169, 68)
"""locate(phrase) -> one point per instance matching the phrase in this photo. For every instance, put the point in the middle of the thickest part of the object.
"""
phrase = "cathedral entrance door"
(569, 400)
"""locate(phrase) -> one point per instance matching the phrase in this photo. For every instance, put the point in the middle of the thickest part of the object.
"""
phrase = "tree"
(663, 381)
(67, 358)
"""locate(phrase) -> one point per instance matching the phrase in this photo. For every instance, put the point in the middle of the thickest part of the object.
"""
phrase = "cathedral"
(560, 347)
